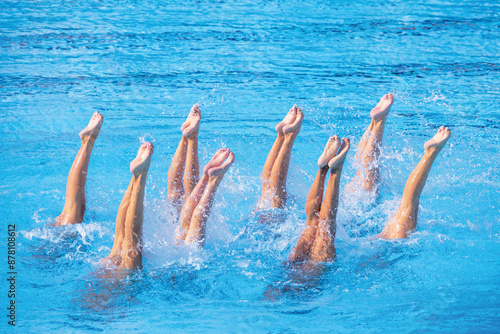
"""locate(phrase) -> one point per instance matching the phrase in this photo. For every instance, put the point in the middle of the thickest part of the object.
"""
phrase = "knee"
(175, 195)
(199, 214)
(312, 209)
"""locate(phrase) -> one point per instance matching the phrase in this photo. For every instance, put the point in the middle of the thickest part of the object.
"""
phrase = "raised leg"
(268, 165)
(120, 222)
(131, 249)
(175, 174)
(195, 196)
(275, 192)
(189, 205)
(184, 170)
(405, 219)
(127, 248)
(275, 149)
(190, 131)
(74, 206)
(368, 152)
(196, 232)
(271, 157)
(313, 205)
(323, 248)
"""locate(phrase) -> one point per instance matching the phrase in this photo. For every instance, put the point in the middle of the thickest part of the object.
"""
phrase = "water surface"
(143, 65)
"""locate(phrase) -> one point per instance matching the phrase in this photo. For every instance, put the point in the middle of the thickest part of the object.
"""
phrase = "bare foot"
(439, 140)
(294, 128)
(338, 161)
(216, 172)
(94, 127)
(289, 118)
(383, 107)
(190, 127)
(140, 164)
(216, 160)
(331, 149)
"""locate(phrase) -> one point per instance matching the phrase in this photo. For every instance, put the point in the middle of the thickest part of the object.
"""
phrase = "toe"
(346, 144)
(222, 151)
(196, 109)
(300, 116)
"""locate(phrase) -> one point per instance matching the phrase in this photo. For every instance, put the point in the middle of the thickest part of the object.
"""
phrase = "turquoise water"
(143, 65)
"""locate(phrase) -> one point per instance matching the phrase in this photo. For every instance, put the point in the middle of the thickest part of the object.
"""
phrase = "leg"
(120, 221)
(271, 157)
(323, 248)
(175, 172)
(183, 171)
(275, 149)
(131, 249)
(313, 205)
(196, 195)
(196, 232)
(276, 190)
(74, 207)
(189, 206)
(405, 219)
(368, 152)
(192, 169)
(127, 248)
(306, 239)
(268, 165)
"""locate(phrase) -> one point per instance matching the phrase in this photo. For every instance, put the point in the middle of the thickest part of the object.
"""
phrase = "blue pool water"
(143, 65)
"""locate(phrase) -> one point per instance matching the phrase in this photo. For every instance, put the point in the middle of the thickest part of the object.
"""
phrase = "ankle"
(215, 180)
(335, 172)
(432, 152)
(140, 176)
(290, 137)
(88, 139)
(378, 124)
(191, 137)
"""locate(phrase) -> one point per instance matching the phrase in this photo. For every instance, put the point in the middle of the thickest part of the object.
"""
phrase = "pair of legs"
(316, 244)
(367, 178)
(74, 206)
(368, 153)
(127, 248)
(197, 207)
(193, 197)
(275, 171)
(183, 173)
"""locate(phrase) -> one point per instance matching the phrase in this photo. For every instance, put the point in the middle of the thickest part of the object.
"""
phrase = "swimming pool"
(143, 65)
